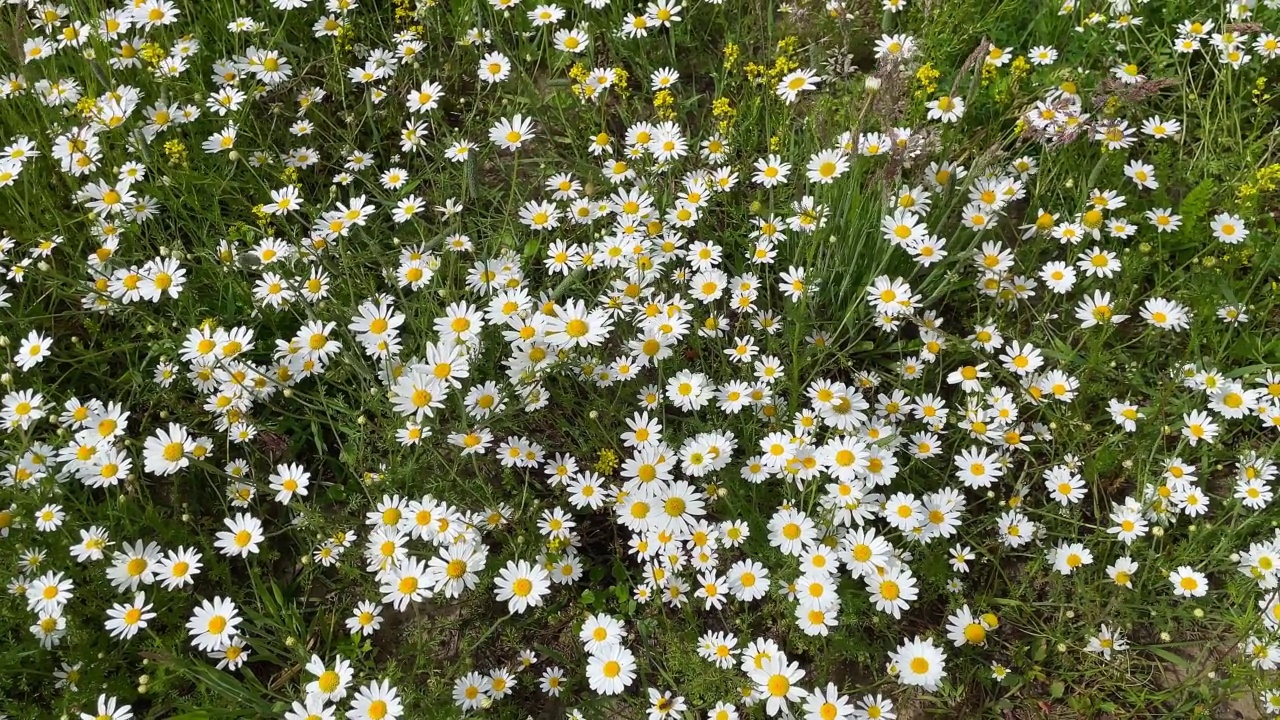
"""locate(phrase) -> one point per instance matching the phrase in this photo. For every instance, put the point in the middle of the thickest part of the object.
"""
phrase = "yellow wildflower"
(606, 461)
(153, 53)
(731, 52)
(927, 78)
(176, 151)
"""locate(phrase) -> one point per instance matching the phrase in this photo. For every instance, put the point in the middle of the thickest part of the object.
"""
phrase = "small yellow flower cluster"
(1260, 94)
(1232, 258)
(153, 53)
(86, 106)
(404, 11)
(606, 461)
(662, 103)
(927, 80)
(1018, 69)
(176, 151)
(723, 111)
(731, 53)
(261, 216)
(1265, 180)
(345, 38)
(989, 73)
(289, 175)
(578, 73)
(583, 90)
(783, 63)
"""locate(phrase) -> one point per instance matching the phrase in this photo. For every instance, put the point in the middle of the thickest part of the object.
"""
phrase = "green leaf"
(1171, 657)
(551, 653)
(620, 573)
(227, 686)
(531, 250)
(275, 590)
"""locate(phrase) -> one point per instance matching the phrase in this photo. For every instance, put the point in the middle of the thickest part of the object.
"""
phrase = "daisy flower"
(521, 585)
(920, 663)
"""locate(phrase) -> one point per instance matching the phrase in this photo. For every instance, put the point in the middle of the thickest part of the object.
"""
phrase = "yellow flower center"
(779, 685)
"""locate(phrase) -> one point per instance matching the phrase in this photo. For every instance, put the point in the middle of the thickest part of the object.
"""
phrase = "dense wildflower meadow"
(397, 359)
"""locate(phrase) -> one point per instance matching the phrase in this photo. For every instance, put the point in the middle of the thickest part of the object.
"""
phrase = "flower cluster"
(421, 332)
